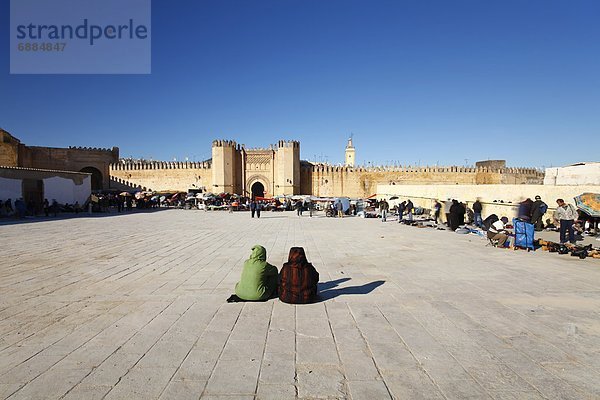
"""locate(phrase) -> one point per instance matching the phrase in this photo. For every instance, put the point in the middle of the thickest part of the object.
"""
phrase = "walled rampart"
(163, 176)
(328, 180)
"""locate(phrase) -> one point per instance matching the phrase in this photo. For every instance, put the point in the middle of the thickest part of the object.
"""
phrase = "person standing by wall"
(409, 210)
(477, 208)
(437, 207)
(566, 215)
(46, 206)
(401, 208)
(539, 208)
(447, 205)
(525, 210)
(384, 208)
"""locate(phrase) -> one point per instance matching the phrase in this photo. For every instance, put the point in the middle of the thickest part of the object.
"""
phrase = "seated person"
(498, 232)
(298, 279)
(259, 278)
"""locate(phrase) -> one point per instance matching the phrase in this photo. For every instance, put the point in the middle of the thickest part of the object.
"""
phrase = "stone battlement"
(288, 143)
(425, 169)
(158, 165)
(226, 143)
(114, 149)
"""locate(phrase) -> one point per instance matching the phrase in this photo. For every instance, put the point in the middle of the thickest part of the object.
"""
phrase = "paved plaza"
(133, 307)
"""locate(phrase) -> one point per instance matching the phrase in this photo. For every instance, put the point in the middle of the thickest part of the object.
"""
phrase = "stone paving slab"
(133, 306)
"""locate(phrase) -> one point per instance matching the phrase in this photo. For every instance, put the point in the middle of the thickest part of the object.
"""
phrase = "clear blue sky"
(416, 81)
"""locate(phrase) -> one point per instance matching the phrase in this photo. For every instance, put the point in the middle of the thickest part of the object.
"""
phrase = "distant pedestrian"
(46, 207)
(447, 205)
(252, 208)
(437, 207)
(54, 207)
(409, 210)
(384, 208)
(566, 215)
(401, 208)
(8, 207)
(340, 209)
(477, 208)
(538, 209)
(457, 215)
(259, 207)
(298, 207)
(20, 208)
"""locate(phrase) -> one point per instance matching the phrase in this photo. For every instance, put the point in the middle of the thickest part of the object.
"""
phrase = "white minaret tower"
(350, 153)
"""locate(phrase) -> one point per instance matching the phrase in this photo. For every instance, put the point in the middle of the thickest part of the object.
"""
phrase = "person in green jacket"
(259, 278)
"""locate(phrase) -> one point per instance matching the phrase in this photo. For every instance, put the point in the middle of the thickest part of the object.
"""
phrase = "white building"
(38, 184)
(585, 173)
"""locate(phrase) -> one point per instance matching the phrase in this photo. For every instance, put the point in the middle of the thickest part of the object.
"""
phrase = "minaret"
(350, 153)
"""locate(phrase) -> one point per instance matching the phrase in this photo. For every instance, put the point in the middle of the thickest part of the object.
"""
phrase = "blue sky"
(417, 82)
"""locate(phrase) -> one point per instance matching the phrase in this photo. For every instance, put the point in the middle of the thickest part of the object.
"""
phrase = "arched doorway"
(258, 190)
(96, 177)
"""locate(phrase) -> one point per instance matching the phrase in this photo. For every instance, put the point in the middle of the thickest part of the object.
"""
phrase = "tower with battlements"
(287, 167)
(225, 167)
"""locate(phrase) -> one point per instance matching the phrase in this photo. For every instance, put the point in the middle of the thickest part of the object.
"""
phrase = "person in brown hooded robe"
(298, 279)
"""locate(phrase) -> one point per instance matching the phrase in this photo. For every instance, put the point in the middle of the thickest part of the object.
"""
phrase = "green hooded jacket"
(259, 278)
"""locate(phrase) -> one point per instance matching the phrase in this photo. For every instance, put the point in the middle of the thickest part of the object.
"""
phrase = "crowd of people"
(20, 209)
(566, 219)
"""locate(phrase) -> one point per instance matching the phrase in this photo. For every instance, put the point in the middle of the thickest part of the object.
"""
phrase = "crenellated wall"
(163, 176)
(235, 169)
(315, 179)
(328, 180)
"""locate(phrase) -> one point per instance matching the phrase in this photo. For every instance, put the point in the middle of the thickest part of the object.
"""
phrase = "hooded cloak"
(298, 279)
(259, 278)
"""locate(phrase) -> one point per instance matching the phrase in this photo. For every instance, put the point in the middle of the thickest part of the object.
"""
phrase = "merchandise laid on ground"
(127, 305)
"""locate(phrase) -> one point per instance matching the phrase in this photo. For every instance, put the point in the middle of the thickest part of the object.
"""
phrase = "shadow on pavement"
(331, 284)
(62, 216)
(327, 291)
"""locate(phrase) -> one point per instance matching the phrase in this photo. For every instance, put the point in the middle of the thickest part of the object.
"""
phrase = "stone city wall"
(163, 176)
(319, 180)
(326, 180)
(9, 154)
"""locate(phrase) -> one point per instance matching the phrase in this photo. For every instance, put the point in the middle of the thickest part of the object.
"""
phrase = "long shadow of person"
(331, 284)
(328, 292)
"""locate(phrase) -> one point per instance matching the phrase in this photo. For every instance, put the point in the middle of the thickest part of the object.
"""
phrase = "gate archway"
(257, 189)
(97, 178)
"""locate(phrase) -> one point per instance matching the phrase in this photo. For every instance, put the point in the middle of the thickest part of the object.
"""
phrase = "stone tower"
(224, 160)
(287, 178)
(350, 154)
